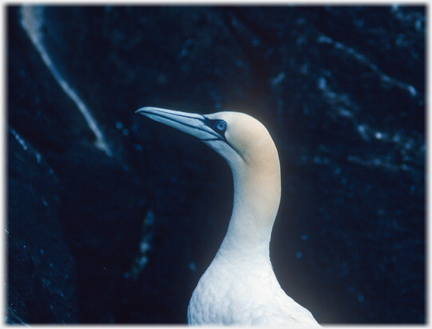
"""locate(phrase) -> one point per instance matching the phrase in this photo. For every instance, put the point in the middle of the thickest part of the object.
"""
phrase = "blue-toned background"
(114, 217)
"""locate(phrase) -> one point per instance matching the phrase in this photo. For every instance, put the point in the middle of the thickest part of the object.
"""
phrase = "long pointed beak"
(190, 123)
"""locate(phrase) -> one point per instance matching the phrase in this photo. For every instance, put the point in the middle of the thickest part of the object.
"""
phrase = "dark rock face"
(113, 218)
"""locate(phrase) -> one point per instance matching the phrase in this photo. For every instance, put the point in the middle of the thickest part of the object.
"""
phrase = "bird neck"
(257, 191)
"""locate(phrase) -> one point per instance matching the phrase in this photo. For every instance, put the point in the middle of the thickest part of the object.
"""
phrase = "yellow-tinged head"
(251, 153)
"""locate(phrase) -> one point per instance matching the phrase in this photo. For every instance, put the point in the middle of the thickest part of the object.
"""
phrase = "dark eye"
(220, 125)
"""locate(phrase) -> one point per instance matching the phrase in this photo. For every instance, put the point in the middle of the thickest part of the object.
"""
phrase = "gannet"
(240, 287)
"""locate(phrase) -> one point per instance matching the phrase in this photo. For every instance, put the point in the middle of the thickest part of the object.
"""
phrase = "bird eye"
(220, 125)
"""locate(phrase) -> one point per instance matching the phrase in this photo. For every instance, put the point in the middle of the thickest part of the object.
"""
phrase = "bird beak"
(190, 123)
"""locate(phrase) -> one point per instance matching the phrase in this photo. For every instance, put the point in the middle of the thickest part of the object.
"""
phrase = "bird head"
(250, 152)
(238, 137)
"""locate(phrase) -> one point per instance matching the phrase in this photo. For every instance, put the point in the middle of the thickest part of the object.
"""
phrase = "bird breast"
(242, 292)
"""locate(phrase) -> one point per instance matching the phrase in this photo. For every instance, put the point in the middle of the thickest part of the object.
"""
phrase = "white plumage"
(240, 287)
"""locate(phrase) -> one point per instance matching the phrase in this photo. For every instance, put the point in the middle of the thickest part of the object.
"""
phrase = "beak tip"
(142, 109)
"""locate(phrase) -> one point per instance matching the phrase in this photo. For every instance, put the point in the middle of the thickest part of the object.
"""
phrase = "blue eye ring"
(220, 125)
